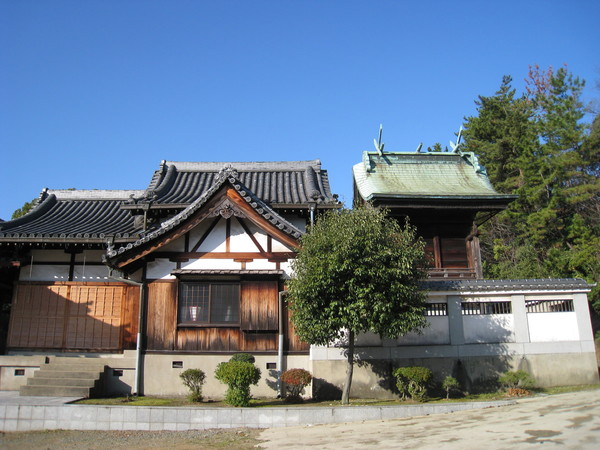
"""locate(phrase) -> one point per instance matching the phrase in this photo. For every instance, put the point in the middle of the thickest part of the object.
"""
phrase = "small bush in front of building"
(238, 376)
(295, 381)
(412, 382)
(516, 379)
(450, 384)
(517, 392)
(193, 379)
(244, 357)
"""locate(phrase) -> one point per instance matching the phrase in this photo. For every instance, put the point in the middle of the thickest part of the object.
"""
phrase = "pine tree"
(537, 146)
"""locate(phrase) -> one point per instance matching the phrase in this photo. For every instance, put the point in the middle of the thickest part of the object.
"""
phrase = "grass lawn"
(271, 402)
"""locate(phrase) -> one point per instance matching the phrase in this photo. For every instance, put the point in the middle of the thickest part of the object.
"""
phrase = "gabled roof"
(74, 216)
(226, 176)
(424, 176)
(280, 184)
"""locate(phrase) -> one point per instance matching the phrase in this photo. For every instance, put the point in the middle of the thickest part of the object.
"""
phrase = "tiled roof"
(62, 215)
(471, 285)
(226, 272)
(423, 176)
(290, 183)
(226, 175)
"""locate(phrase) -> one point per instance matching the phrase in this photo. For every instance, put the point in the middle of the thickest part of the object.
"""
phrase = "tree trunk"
(349, 369)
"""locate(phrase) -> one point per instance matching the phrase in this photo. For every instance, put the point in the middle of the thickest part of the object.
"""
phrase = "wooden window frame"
(207, 323)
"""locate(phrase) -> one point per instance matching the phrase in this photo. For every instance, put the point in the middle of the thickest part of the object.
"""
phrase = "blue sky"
(94, 94)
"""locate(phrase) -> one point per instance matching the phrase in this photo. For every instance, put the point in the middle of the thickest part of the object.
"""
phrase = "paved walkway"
(566, 420)
(13, 398)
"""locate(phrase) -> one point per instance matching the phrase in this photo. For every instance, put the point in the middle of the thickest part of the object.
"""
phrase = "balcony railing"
(451, 273)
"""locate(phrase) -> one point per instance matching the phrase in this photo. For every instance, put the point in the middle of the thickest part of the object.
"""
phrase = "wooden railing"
(452, 273)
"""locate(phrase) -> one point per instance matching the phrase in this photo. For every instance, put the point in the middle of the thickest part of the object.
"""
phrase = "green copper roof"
(423, 175)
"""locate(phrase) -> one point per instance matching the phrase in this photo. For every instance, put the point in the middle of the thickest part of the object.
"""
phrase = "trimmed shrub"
(450, 384)
(193, 379)
(412, 382)
(238, 376)
(295, 381)
(517, 392)
(244, 357)
(516, 379)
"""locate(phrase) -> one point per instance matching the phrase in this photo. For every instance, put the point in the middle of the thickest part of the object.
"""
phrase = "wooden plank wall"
(454, 253)
(69, 316)
(257, 331)
(259, 306)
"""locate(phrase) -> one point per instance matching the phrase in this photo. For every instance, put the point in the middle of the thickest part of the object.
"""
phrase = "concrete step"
(44, 373)
(56, 391)
(64, 366)
(75, 382)
(66, 377)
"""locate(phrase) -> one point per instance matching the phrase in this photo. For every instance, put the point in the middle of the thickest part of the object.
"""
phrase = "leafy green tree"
(357, 271)
(538, 146)
(27, 206)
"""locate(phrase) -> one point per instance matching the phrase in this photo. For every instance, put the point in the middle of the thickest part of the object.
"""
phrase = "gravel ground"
(239, 438)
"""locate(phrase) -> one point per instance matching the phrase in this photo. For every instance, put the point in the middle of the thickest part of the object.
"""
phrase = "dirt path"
(567, 420)
(62, 439)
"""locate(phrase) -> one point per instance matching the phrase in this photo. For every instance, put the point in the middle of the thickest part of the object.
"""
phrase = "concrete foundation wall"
(374, 379)
(161, 378)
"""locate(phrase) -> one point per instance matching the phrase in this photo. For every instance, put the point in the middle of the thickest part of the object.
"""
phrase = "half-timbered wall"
(73, 316)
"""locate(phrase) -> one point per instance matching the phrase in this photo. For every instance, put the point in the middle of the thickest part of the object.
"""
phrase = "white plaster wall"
(279, 247)
(488, 328)
(197, 232)
(261, 264)
(160, 269)
(215, 241)
(50, 256)
(239, 241)
(552, 327)
(298, 222)
(367, 339)
(89, 256)
(260, 236)
(437, 333)
(44, 273)
(287, 269)
(90, 273)
(207, 263)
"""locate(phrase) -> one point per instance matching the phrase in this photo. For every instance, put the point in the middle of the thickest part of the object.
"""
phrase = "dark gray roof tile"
(77, 214)
(276, 183)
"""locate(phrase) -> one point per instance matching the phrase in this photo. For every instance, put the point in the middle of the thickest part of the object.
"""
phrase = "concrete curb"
(94, 417)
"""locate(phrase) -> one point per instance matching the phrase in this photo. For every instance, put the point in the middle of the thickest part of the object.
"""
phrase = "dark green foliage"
(238, 376)
(412, 382)
(516, 379)
(537, 145)
(245, 357)
(357, 271)
(27, 206)
(450, 384)
(295, 381)
(193, 379)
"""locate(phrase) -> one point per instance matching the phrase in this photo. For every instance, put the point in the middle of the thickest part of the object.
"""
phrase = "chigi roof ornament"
(378, 144)
(455, 147)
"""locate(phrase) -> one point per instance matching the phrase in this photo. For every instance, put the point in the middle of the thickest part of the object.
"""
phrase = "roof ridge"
(244, 166)
(94, 194)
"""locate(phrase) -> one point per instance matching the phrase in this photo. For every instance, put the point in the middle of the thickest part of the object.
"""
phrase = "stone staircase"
(66, 377)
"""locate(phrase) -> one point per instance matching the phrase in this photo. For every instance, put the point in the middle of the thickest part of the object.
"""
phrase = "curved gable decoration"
(227, 198)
